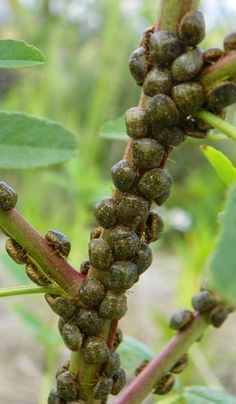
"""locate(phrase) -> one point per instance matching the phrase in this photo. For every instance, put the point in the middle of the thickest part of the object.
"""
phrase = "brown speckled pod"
(164, 47)
(189, 97)
(154, 227)
(132, 210)
(188, 65)
(105, 212)
(61, 306)
(95, 351)
(100, 254)
(113, 364)
(230, 42)
(137, 125)
(118, 339)
(218, 316)
(59, 242)
(161, 110)
(165, 385)
(157, 81)
(54, 398)
(141, 366)
(84, 267)
(61, 324)
(211, 55)
(124, 242)
(138, 65)
(180, 365)
(89, 322)
(96, 232)
(16, 252)
(144, 258)
(123, 175)
(72, 337)
(191, 128)
(180, 319)
(169, 136)
(35, 275)
(8, 196)
(204, 301)
(66, 386)
(119, 380)
(103, 388)
(147, 153)
(222, 95)
(114, 306)
(91, 292)
(122, 275)
(154, 182)
(192, 28)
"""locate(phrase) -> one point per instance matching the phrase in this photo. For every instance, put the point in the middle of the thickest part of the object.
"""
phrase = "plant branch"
(223, 69)
(171, 12)
(217, 123)
(29, 290)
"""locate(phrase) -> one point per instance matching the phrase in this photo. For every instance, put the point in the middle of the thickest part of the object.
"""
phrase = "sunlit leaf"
(221, 164)
(18, 54)
(133, 353)
(114, 130)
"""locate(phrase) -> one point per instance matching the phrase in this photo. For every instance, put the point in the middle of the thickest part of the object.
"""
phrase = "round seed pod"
(8, 196)
(92, 292)
(154, 227)
(168, 136)
(95, 351)
(189, 97)
(136, 123)
(124, 242)
(211, 55)
(164, 47)
(96, 233)
(66, 386)
(204, 301)
(35, 275)
(61, 306)
(118, 339)
(218, 316)
(157, 81)
(141, 367)
(72, 337)
(230, 42)
(122, 276)
(188, 65)
(161, 110)
(123, 175)
(89, 322)
(165, 385)
(154, 182)
(119, 381)
(222, 95)
(138, 65)
(192, 28)
(59, 242)
(103, 388)
(180, 319)
(105, 212)
(114, 306)
(147, 153)
(191, 128)
(16, 252)
(144, 258)
(132, 210)
(113, 364)
(100, 254)
(180, 365)
(84, 267)
(162, 197)
(61, 324)
(54, 398)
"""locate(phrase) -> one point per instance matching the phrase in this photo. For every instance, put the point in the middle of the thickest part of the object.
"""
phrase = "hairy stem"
(29, 290)
(217, 123)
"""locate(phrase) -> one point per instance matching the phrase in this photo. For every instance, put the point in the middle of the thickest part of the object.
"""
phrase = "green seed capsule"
(230, 42)
(61, 323)
(95, 351)
(180, 319)
(138, 65)
(66, 386)
(154, 227)
(222, 95)
(119, 381)
(100, 254)
(161, 110)
(137, 125)
(132, 210)
(16, 252)
(164, 47)
(165, 385)
(211, 55)
(84, 267)
(89, 322)
(204, 301)
(35, 275)
(92, 292)
(154, 182)
(54, 398)
(61, 306)
(103, 388)
(147, 153)
(157, 81)
(192, 28)
(118, 339)
(189, 97)
(113, 364)
(8, 196)
(170, 136)
(188, 65)
(114, 306)
(144, 258)
(218, 316)
(181, 365)
(72, 337)
(59, 242)
(96, 233)
(105, 212)
(162, 197)
(123, 175)
(124, 242)
(122, 276)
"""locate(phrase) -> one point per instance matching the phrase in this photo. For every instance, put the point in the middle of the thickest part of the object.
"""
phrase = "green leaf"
(133, 353)
(221, 164)
(114, 130)
(18, 54)
(204, 395)
(222, 262)
(27, 141)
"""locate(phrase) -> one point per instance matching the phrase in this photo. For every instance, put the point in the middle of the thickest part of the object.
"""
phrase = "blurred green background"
(84, 83)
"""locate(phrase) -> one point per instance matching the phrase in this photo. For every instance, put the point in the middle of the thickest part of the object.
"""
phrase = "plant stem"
(223, 69)
(217, 123)
(55, 267)
(171, 12)
(145, 381)
(29, 290)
